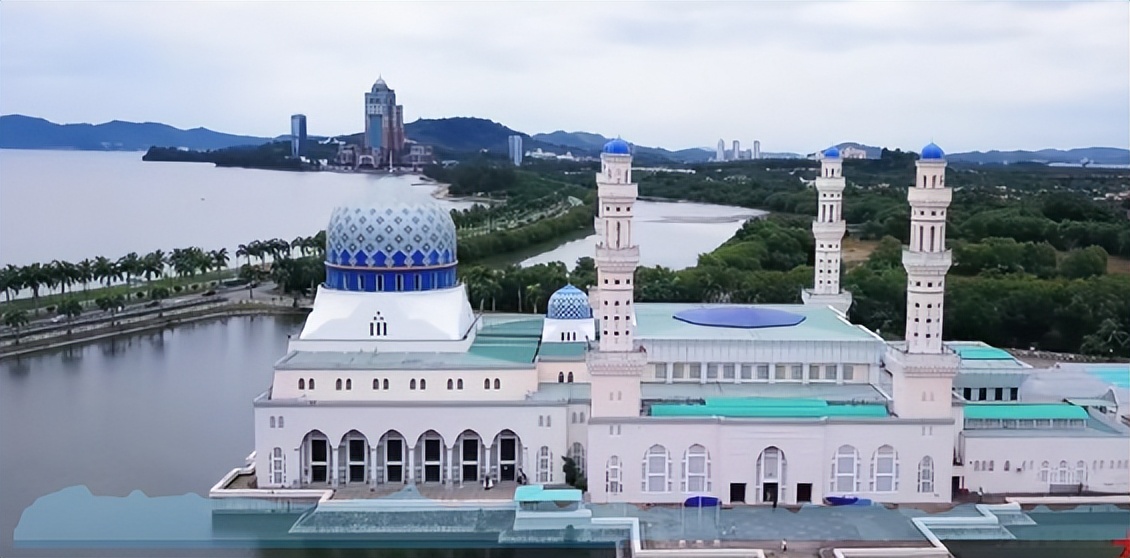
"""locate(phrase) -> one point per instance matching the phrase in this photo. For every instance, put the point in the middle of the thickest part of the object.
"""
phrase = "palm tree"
(85, 273)
(153, 265)
(301, 243)
(130, 265)
(35, 276)
(220, 258)
(16, 319)
(71, 309)
(106, 271)
(243, 251)
(318, 242)
(64, 273)
(11, 280)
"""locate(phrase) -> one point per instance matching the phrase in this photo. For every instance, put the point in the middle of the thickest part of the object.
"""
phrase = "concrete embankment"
(126, 324)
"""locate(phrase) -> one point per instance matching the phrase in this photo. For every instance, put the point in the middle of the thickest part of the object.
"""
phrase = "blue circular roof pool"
(745, 317)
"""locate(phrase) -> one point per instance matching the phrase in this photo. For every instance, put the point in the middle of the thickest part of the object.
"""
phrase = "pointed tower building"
(617, 365)
(922, 368)
(828, 230)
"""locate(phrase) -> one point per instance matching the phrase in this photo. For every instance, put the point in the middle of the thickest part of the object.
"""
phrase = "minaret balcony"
(618, 259)
(828, 231)
(831, 185)
(613, 191)
(927, 263)
(929, 197)
(621, 363)
(921, 365)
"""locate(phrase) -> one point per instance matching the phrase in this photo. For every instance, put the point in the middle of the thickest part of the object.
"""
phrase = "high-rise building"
(828, 230)
(736, 153)
(384, 124)
(756, 149)
(515, 142)
(720, 154)
(297, 135)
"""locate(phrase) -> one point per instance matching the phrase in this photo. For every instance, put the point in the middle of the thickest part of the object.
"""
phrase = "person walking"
(784, 545)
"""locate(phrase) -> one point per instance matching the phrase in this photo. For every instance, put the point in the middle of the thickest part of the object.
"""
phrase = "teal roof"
(539, 493)
(1024, 411)
(761, 407)
(979, 352)
(562, 351)
(657, 321)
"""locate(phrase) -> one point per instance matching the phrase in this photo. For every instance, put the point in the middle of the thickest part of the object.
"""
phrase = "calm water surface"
(70, 205)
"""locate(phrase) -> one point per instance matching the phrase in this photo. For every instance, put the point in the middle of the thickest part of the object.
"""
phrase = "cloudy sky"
(795, 75)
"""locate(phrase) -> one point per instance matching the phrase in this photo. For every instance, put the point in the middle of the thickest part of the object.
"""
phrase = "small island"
(273, 156)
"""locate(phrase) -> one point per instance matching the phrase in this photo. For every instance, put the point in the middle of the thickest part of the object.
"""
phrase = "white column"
(333, 465)
(373, 466)
(484, 463)
(450, 464)
(411, 465)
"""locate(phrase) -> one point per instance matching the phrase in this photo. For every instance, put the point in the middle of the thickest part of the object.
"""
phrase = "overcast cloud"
(796, 75)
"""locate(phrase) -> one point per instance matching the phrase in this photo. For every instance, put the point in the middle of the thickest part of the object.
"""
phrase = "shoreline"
(111, 328)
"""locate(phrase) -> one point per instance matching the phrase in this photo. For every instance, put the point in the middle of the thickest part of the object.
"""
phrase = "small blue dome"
(617, 147)
(932, 151)
(832, 153)
(569, 303)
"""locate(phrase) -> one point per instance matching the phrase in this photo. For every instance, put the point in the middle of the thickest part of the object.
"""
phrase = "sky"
(797, 76)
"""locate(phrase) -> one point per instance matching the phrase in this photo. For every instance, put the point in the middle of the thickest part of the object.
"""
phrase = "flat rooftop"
(691, 392)
(767, 407)
(657, 321)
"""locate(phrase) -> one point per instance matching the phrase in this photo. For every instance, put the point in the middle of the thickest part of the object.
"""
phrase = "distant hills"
(25, 132)
(450, 137)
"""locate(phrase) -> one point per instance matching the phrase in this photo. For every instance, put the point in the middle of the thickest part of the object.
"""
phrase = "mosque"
(395, 380)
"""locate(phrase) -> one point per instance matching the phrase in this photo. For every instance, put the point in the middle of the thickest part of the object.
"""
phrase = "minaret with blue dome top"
(828, 230)
(616, 366)
(922, 368)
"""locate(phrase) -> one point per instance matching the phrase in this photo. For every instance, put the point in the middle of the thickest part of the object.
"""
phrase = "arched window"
(696, 469)
(656, 470)
(277, 466)
(582, 417)
(280, 422)
(570, 378)
(497, 384)
(337, 384)
(301, 383)
(577, 452)
(376, 384)
(573, 418)
(384, 383)
(884, 470)
(545, 465)
(412, 383)
(560, 377)
(311, 383)
(450, 383)
(548, 420)
(349, 383)
(976, 465)
(486, 383)
(1080, 473)
(845, 470)
(272, 422)
(1044, 471)
(926, 475)
(541, 420)
(612, 484)
(459, 383)
(423, 384)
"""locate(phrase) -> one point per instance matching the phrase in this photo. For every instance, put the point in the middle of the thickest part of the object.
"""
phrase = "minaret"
(617, 365)
(828, 230)
(922, 368)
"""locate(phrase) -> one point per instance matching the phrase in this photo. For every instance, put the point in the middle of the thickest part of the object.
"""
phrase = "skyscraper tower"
(756, 149)
(617, 365)
(737, 154)
(384, 124)
(922, 368)
(297, 135)
(828, 229)
(720, 155)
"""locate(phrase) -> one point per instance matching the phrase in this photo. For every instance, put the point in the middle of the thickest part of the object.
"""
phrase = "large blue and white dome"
(832, 153)
(396, 238)
(569, 303)
(617, 147)
(932, 151)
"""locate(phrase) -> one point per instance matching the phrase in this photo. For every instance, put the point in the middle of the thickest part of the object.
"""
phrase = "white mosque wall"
(442, 314)
(549, 371)
(564, 331)
(735, 447)
(422, 386)
(535, 426)
(1015, 464)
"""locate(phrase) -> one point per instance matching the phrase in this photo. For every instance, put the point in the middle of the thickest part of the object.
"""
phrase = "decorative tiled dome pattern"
(409, 230)
(569, 303)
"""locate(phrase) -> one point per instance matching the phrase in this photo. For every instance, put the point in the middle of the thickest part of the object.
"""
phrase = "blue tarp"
(746, 317)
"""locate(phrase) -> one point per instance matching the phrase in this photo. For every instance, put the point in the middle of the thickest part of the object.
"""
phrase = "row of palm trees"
(278, 248)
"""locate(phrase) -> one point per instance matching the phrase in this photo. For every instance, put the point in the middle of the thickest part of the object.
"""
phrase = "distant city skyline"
(971, 76)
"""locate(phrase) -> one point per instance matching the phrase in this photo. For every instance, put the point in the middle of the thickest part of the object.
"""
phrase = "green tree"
(16, 319)
(70, 308)
(1084, 263)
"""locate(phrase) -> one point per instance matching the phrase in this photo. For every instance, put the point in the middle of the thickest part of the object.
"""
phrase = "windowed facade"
(884, 467)
(545, 465)
(845, 470)
(926, 475)
(696, 469)
(612, 481)
(656, 470)
(278, 469)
